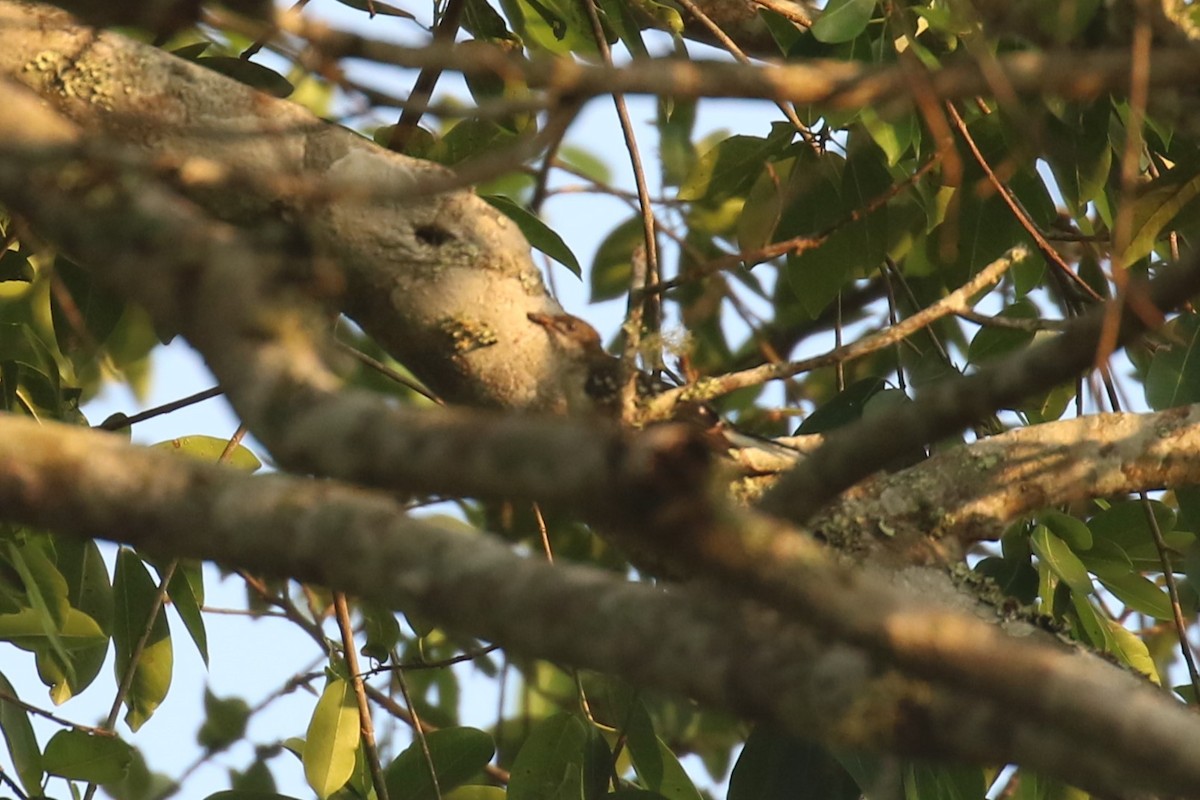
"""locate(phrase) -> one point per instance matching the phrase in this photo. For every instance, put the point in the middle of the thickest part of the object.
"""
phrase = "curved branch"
(443, 282)
(852, 453)
(972, 493)
(697, 642)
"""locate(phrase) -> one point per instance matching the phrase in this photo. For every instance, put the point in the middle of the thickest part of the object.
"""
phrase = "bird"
(591, 378)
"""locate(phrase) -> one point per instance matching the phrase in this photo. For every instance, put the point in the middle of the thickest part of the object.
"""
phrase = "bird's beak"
(547, 321)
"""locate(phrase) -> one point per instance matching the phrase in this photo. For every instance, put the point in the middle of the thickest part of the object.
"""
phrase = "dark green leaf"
(550, 765)
(1139, 594)
(1072, 531)
(22, 744)
(729, 169)
(374, 7)
(842, 20)
(136, 596)
(186, 591)
(844, 408)
(253, 75)
(992, 343)
(1174, 375)
(539, 234)
(458, 754)
(82, 756)
(657, 767)
(778, 766)
(613, 264)
(224, 722)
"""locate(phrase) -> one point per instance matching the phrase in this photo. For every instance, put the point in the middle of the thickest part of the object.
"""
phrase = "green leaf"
(539, 234)
(1139, 594)
(247, 794)
(893, 136)
(82, 303)
(1055, 554)
(613, 264)
(374, 7)
(382, 629)
(1174, 375)
(779, 766)
(186, 590)
(82, 756)
(992, 343)
(729, 169)
(1157, 206)
(255, 778)
(210, 448)
(1125, 524)
(1133, 651)
(25, 629)
(843, 408)
(1106, 559)
(477, 793)
(136, 596)
(1014, 577)
(224, 722)
(676, 121)
(332, 739)
(1089, 627)
(458, 754)
(253, 75)
(764, 205)
(550, 764)
(1074, 532)
(1078, 152)
(22, 744)
(88, 585)
(842, 20)
(45, 589)
(943, 782)
(657, 767)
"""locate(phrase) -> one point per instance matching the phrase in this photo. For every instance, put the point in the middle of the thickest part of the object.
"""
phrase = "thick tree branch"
(826, 83)
(972, 493)
(734, 655)
(850, 454)
(443, 282)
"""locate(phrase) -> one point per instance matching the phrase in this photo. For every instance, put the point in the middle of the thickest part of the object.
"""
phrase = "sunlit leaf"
(332, 738)
(136, 596)
(1055, 553)
(210, 448)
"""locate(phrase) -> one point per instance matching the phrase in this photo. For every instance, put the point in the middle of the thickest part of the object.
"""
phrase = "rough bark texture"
(443, 281)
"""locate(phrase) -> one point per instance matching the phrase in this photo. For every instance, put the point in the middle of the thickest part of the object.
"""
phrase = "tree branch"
(736, 655)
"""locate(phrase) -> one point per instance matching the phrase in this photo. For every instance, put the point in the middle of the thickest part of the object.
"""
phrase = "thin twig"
(422, 90)
(388, 372)
(660, 407)
(366, 729)
(117, 423)
(419, 733)
(1018, 212)
(729, 44)
(66, 723)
